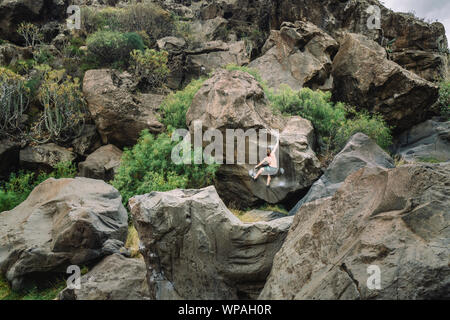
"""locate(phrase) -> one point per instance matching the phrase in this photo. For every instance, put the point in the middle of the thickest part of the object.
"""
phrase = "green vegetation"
(444, 99)
(148, 167)
(64, 111)
(429, 160)
(113, 47)
(31, 34)
(145, 16)
(150, 66)
(334, 123)
(175, 106)
(19, 186)
(49, 293)
(14, 96)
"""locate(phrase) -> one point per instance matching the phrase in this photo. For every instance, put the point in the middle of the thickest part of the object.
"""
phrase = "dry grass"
(133, 242)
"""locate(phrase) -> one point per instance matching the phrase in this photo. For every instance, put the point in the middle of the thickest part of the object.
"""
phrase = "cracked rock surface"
(396, 219)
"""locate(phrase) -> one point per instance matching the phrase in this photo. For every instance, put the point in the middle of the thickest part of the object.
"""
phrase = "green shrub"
(14, 191)
(148, 167)
(373, 126)
(65, 110)
(444, 99)
(316, 106)
(108, 47)
(150, 66)
(175, 106)
(14, 96)
(43, 56)
(334, 123)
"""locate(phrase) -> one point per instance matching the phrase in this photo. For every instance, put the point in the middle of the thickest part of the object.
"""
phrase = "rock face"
(366, 78)
(397, 220)
(13, 12)
(119, 116)
(88, 141)
(359, 152)
(45, 156)
(114, 278)
(102, 164)
(63, 222)
(412, 34)
(429, 140)
(235, 100)
(212, 55)
(9, 157)
(195, 248)
(10, 54)
(299, 55)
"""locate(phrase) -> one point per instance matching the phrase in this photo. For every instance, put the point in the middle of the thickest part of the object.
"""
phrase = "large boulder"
(366, 78)
(14, 12)
(235, 100)
(63, 222)
(45, 156)
(195, 248)
(10, 54)
(88, 141)
(119, 115)
(212, 55)
(387, 224)
(411, 34)
(299, 55)
(427, 141)
(101, 164)
(359, 152)
(114, 278)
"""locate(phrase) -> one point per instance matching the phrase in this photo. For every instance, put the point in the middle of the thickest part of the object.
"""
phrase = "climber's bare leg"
(259, 173)
(268, 180)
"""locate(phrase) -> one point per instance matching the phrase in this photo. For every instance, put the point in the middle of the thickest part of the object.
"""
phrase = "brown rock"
(366, 78)
(396, 220)
(119, 115)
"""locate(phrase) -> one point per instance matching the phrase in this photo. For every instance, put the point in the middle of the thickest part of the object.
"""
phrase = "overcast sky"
(428, 9)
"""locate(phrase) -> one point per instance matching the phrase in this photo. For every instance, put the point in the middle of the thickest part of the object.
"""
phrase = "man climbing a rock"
(269, 165)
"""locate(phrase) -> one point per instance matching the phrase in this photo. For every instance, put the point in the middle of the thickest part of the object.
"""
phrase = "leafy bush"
(65, 110)
(150, 66)
(175, 106)
(334, 123)
(316, 106)
(19, 186)
(111, 46)
(148, 167)
(373, 126)
(444, 99)
(14, 96)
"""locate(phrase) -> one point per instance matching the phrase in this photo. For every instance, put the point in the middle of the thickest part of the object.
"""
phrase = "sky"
(428, 9)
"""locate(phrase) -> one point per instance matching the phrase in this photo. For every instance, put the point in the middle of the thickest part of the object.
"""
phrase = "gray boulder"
(298, 55)
(235, 100)
(114, 278)
(359, 152)
(427, 141)
(119, 115)
(195, 248)
(45, 156)
(63, 222)
(400, 96)
(88, 141)
(102, 164)
(392, 222)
